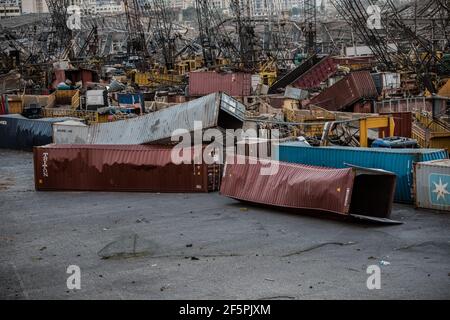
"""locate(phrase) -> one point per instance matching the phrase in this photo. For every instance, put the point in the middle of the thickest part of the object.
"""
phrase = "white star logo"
(441, 189)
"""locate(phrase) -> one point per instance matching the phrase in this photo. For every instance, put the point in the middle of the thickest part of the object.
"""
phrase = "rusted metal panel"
(350, 191)
(119, 168)
(353, 88)
(431, 185)
(317, 74)
(233, 84)
(403, 124)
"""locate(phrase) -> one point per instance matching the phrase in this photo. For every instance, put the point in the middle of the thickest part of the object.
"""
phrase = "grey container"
(432, 185)
(214, 110)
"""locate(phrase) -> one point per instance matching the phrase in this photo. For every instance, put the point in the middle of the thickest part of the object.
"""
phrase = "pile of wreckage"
(348, 141)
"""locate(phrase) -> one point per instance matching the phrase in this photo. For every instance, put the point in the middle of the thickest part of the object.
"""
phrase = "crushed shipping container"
(398, 161)
(353, 88)
(321, 72)
(20, 133)
(120, 169)
(215, 110)
(358, 192)
(432, 185)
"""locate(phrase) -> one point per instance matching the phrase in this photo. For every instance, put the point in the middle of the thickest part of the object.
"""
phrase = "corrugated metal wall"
(292, 186)
(353, 88)
(399, 162)
(215, 110)
(119, 168)
(233, 84)
(317, 74)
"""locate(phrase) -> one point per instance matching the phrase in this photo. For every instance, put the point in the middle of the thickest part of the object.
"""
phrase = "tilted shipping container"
(321, 72)
(358, 192)
(119, 169)
(398, 161)
(215, 110)
(353, 88)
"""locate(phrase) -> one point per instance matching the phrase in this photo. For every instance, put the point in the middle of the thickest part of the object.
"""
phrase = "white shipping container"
(70, 132)
(95, 98)
(432, 185)
(365, 50)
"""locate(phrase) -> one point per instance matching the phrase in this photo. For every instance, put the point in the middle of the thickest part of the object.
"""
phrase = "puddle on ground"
(128, 246)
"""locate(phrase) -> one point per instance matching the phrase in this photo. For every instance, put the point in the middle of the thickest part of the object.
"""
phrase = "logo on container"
(45, 165)
(439, 189)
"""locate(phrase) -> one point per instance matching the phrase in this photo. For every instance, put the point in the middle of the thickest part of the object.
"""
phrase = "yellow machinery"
(268, 73)
(312, 120)
(321, 123)
(430, 133)
(69, 98)
(88, 116)
(379, 122)
(160, 75)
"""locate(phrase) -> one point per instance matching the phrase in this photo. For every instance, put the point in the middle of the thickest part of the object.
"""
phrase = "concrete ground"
(205, 247)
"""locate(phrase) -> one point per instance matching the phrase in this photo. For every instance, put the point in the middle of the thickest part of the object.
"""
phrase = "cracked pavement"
(204, 246)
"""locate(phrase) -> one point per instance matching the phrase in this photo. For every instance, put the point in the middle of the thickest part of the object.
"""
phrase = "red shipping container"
(233, 84)
(119, 168)
(317, 74)
(359, 192)
(403, 124)
(353, 88)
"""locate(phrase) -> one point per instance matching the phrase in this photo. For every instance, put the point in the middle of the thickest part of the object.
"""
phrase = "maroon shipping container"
(358, 192)
(317, 74)
(403, 124)
(353, 88)
(233, 84)
(119, 168)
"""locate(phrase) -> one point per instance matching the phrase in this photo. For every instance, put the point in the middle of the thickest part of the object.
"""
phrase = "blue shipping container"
(20, 133)
(399, 161)
(131, 98)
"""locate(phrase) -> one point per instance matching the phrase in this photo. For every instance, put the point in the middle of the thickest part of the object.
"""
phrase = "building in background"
(34, 6)
(10, 8)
